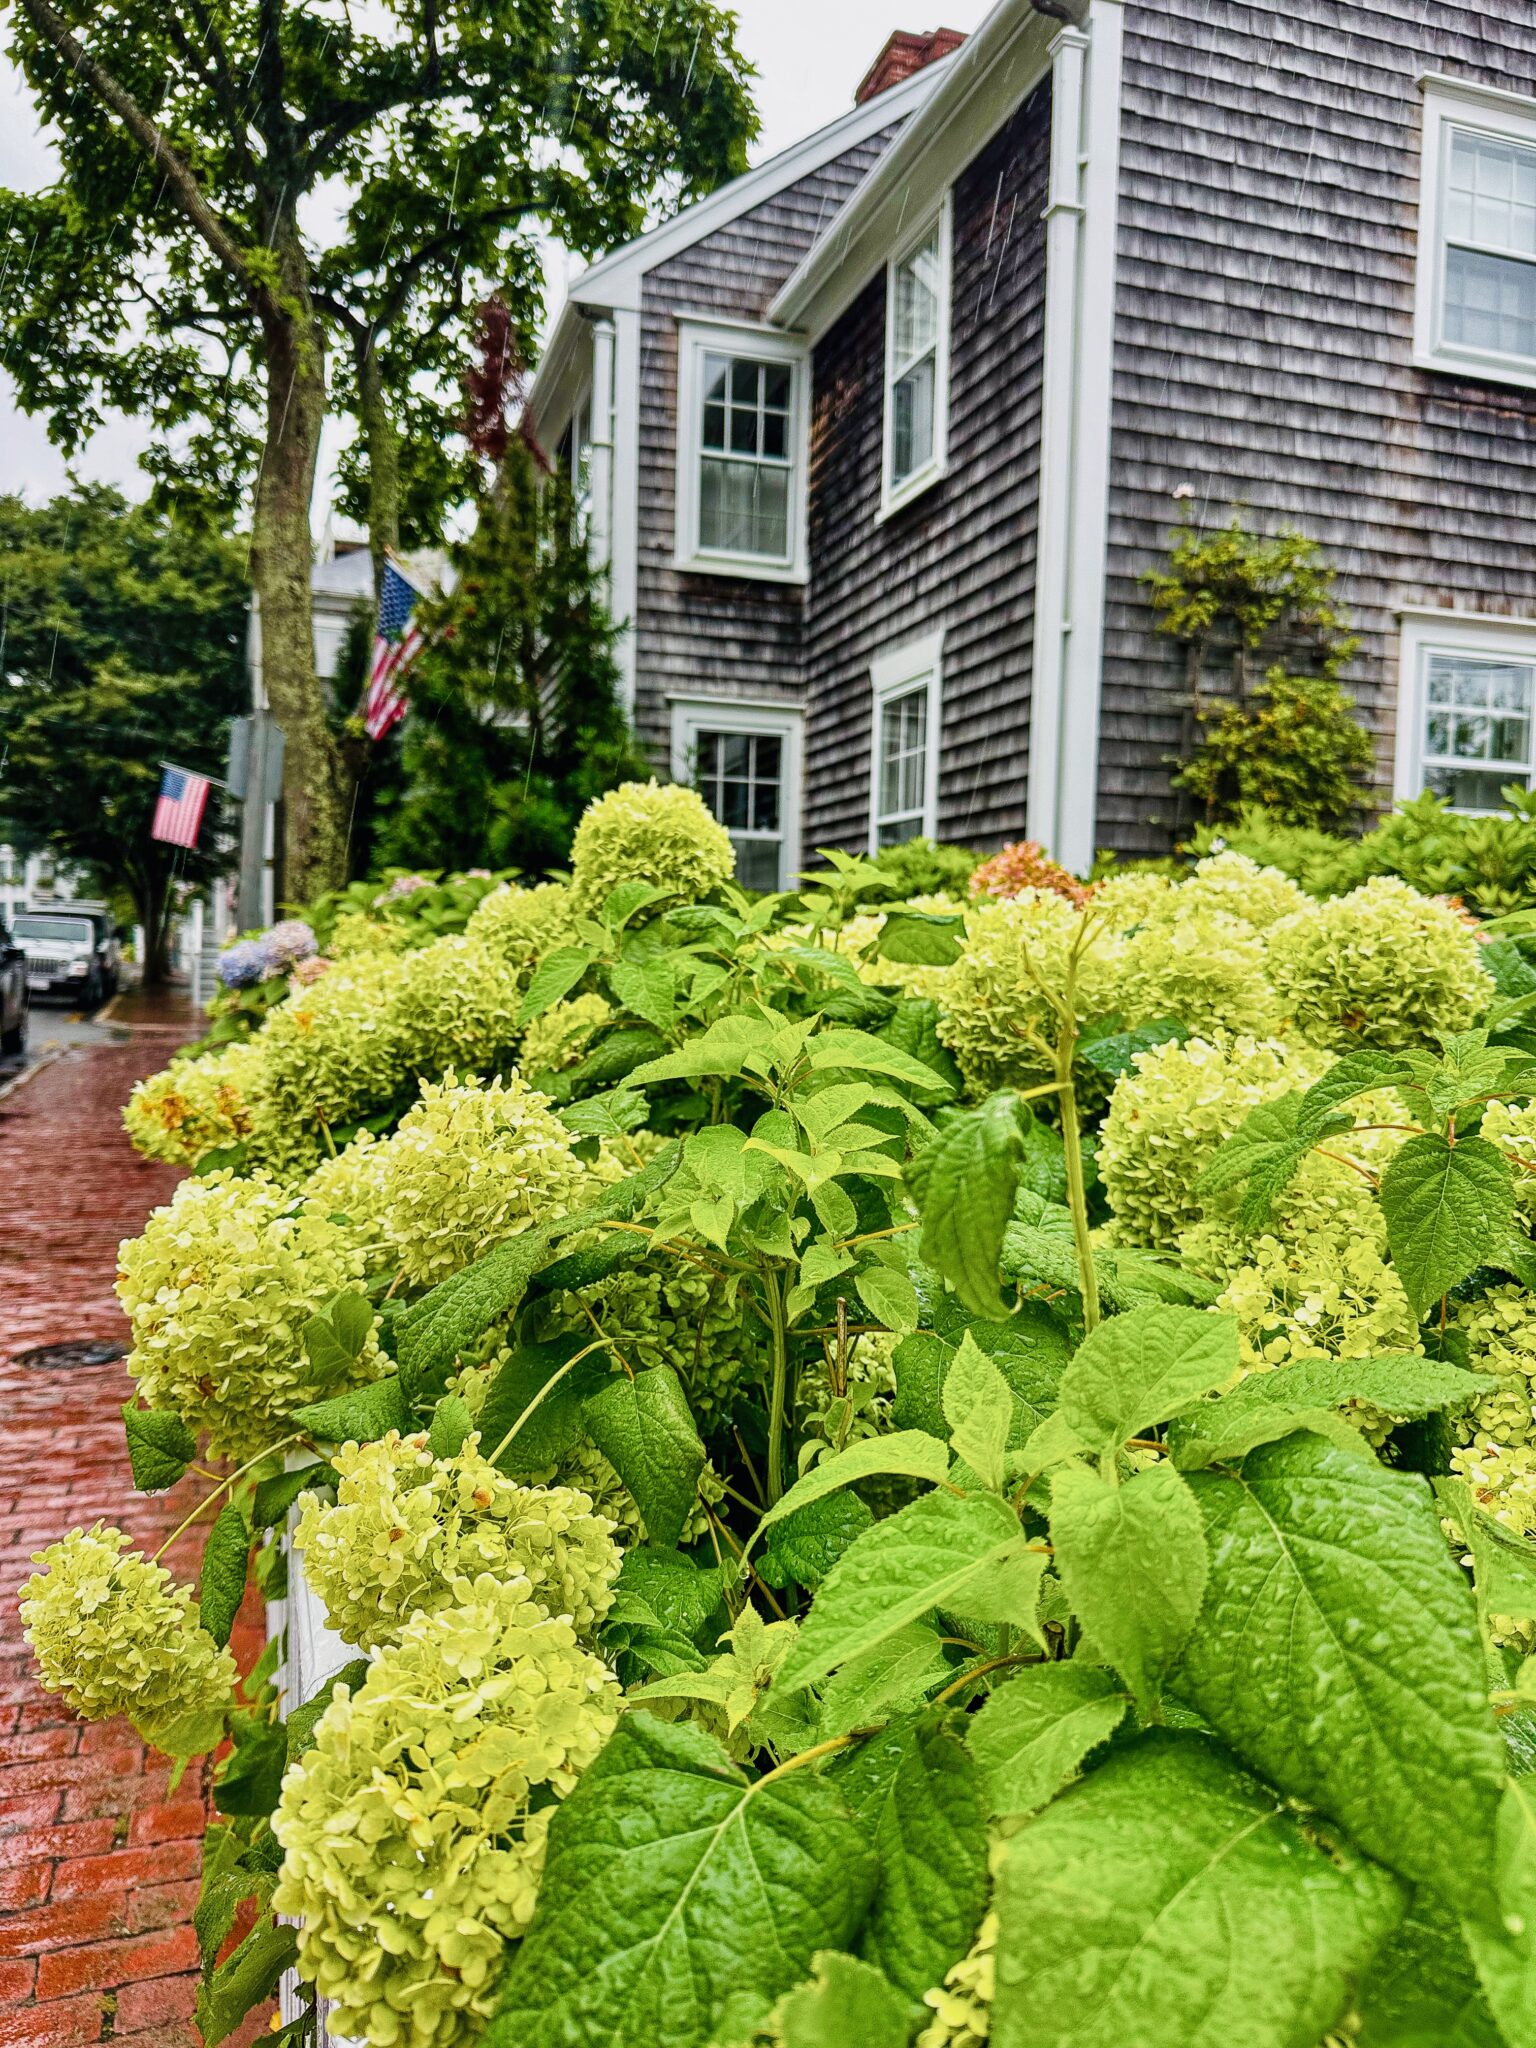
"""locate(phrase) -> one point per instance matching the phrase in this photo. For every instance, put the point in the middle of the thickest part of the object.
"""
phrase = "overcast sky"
(810, 54)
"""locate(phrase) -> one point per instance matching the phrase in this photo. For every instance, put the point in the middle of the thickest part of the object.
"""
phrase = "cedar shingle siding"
(1268, 238)
(962, 554)
(718, 635)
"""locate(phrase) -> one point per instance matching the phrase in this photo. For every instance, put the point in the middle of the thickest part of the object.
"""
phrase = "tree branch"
(221, 82)
(179, 179)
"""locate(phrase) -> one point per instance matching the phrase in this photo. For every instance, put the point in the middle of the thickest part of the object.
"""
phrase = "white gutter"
(1076, 401)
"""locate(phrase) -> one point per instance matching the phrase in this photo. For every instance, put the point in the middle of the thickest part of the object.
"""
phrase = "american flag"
(396, 643)
(180, 805)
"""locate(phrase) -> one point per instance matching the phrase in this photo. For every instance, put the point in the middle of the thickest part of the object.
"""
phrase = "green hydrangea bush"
(935, 1472)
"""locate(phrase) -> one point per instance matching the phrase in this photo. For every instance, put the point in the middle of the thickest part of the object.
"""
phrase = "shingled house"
(878, 440)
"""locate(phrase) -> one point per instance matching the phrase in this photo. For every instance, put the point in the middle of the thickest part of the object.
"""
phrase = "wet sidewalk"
(98, 1858)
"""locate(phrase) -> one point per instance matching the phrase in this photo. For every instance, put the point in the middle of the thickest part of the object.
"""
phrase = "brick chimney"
(904, 54)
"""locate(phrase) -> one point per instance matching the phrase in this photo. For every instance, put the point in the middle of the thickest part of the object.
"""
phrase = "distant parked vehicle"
(14, 996)
(70, 952)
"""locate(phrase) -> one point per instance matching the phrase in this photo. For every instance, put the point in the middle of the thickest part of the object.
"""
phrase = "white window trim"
(694, 338)
(1508, 117)
(892, 675)
(693, 715)
(894, 496)
(1446, 632)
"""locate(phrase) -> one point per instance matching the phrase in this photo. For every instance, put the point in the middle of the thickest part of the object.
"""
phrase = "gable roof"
(980, 87)
(613, 282)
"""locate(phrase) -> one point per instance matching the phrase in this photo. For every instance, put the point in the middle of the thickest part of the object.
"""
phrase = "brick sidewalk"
(98, 1860)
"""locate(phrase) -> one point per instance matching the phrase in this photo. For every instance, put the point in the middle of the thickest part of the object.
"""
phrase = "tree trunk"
(382, 441)
(150, 888)
(281, 560)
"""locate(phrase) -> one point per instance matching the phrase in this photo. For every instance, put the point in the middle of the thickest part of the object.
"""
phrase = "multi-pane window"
(916, 367)
(902, 767)
(1490, 243)
(746, 457)
(740, 775)
(1477, 726)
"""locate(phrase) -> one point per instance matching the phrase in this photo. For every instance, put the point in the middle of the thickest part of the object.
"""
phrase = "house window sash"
(745, 761)
(906, 728)
(741, 452)
(917, 347)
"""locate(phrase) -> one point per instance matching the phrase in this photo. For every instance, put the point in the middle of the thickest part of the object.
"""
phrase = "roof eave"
(984, 81)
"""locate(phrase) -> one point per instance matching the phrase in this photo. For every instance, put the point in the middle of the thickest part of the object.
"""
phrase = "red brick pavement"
(99, 1857)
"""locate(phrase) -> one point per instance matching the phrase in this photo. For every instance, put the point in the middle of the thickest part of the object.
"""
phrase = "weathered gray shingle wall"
(717, 635)
(961, 555)
(1264, 333)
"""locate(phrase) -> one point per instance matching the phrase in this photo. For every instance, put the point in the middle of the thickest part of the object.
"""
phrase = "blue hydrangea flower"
(243, 965)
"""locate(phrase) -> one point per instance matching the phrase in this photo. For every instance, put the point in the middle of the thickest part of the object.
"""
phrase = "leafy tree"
(122, 646)
(174, 267)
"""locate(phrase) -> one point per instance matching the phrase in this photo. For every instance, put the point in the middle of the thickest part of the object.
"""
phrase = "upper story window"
(904, 759)
(1476, 299)
(741, 461)
(1467, 707)
(917, 363)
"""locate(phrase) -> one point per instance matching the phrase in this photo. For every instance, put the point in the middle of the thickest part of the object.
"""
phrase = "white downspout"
(600, 517)
(624, 531)
(1078, 799)
(1076, 396)
(1058, 409)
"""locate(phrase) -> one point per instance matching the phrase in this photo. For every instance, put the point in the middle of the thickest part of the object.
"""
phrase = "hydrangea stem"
(778, 1398)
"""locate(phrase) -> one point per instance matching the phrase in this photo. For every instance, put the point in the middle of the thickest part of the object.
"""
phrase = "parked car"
(70, 952)
(14, 997)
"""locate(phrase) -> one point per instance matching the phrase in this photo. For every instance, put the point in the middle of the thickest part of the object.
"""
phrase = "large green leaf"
(247, 1979)
(1356, 1074)
(645, 1430)
(672, 1883)
(1422, 1990)
(433, 1332)
(1503, 1560)
(221, 1589)
(160, 1446)
(979, 1408)
(914, 1789)
(527, 1429)
(1144, 1367)
(1448, 1208)
(911, 1453)
(553, 979)
(964, 1184)
(1339, 1654)
(1268, 1405)
(1033, 1733)
(1030, 1350)
(802, 1549)
(360, 1417)
(1264, 1151)
(1171, 1901)
(1505, 1950)
(1132, 1559)
(920, 1558)
(848, 2004)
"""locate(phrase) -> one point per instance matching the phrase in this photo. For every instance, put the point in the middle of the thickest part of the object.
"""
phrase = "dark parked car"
(70, 952)
(13, 997)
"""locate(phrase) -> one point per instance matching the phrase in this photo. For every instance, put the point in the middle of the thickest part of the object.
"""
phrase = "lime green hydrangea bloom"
(458, 1007)
(349, 1189)
(995, 1020)
(404, 1525)
(1132, 899)
(561, 1036)
(653, 832)
(470, 1164)
(1170, 1114)
(1236, 885)
(520, 926)
(962, 2004)
(217, 1292)
(1382, 966)
(685, 1318)
(1512, 1127)
(356, 934)
(1498, 1458)
(1199, 966)
(113, 1634)
(334, 1053)
(197, 1106)
(412, 1855)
